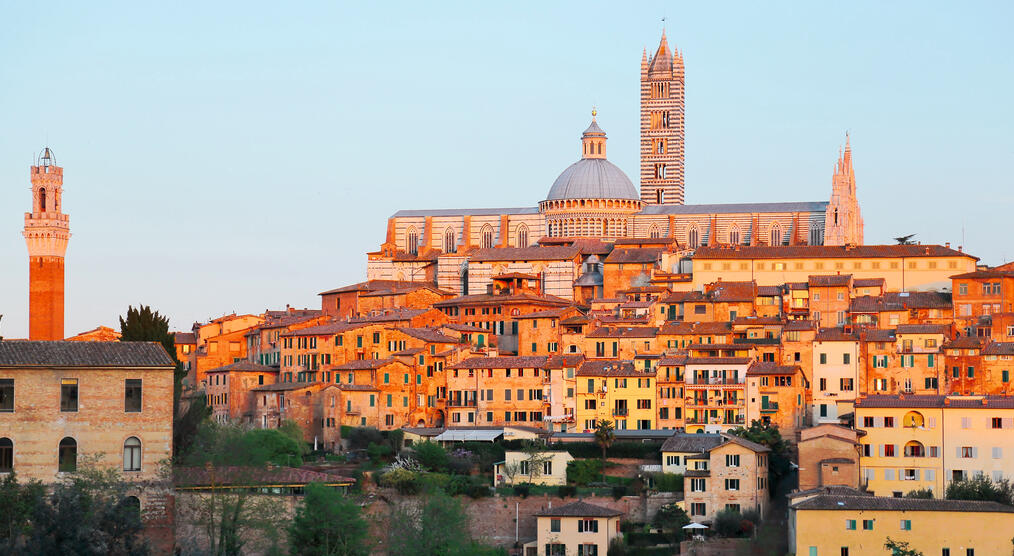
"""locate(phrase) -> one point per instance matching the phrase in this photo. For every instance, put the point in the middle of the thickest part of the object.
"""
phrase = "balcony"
(619, 412)
(460, 403)
(769, 407)
(715, 382)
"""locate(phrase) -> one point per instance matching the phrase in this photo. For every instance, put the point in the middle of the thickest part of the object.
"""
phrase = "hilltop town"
(612, 371)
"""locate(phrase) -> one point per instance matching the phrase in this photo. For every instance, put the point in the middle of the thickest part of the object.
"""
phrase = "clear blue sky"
(241, 156)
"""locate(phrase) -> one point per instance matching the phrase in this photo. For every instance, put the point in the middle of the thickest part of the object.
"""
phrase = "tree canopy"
(328, 524)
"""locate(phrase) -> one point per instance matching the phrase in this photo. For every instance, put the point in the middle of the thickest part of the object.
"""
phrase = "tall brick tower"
(47, 231)
(843, 222)
(662, 126)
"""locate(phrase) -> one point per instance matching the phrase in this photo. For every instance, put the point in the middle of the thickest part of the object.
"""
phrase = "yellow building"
(730, 476)
(926, 441)
(541, 468)
(617, 391)
(680, 446)
(577, 528)
(841, 522)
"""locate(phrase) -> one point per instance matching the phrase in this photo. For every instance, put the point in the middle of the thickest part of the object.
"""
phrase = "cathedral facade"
(593, 199)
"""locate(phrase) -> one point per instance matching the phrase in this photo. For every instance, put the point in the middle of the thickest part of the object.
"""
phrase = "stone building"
(47, 231)
(828, 455)
(735, 477)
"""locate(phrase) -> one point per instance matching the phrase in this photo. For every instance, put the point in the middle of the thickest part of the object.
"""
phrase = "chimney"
(947, 245)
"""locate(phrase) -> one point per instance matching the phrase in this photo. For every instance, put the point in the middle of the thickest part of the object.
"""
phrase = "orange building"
(47, 231)
(99, 334)
(981, 293)
(776, 394)
(314, 408)
(669, 382)
(830, 297)
(623, 343)
(230, 390)
(366, 297)
(380, 393)
(498, 391)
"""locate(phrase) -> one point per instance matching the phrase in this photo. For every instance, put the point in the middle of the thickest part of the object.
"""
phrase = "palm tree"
(604, 437)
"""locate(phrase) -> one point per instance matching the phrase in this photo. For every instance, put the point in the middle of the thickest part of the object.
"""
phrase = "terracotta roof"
(725, 292)
(826, 252)
(611, 368)
(718, 361)
(800, 325)
(964, 342)
(831, 489)
(835, 335)
(26, 353)
(643, 255)
(677, 328)
(673, 361)
(284, 386)
(713, 327)
(561, 361)
(185, 337)
(889, 503)
(428, 335)
(691, 443)
(768, 291)
(868, 282)
(872, 304)
(365, 364)
(748, 444)
(999, 348)
(548, 253)
(548, 313)
(747, 321)
(683, 297)
(503, 362)
(409, 351)
(935, 401)
(371, 285)
(389, 315)
(920, 300)
(244, 367)
(502, 299)
(877, 335)
(769, 368)
(923, 329)
(579, 509)
(989, 273)
(462, 327)
(196, 477)
(829, 280)
(515, 275)
(623, 332)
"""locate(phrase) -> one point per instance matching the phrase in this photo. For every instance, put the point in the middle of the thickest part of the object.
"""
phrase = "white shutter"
(957, 451)
(997, 475)
(975, 451)
(932, 422)
(889, 474)
(878, 421)
(896, 452)
(931, 474)
(997, 452)
(917, 474)
(880, 450)
(1008, 422)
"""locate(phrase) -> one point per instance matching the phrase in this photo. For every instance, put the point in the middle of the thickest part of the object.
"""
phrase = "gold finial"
(594, 112)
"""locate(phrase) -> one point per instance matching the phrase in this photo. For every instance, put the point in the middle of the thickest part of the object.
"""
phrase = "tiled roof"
(196, 477)
(768, 291)
(964, 342)
(623, 332)
(769, 368)
(757, 321)
(713, 327)
(868, 282)
(835, 335)
(643, 255)
(800, 325)
(923, 329)
(462, 327)
(999, 348)
(365, 364)
(26, 353)
(696, 473)
(726, 292)
(548, 313)
(284, 386)
(877, 335)
(611, 368)
(691, 443)
(389, 315)
(827, 252)
(244, 367)
(185, 337)
(515, 275)
(579, 509)
(673, 361)
(548, 253)
(502, 299)
(371, 285)
(920, 300)
(737, 208)
(561, 361)
(991, 273)
(677, 328)
(428, 335)
(748, 444)
(829, 280)
(935, 401)
(409, 351)
(889, 503)
(504, 362)
(839, 490)
(872, 304)
(684, 297)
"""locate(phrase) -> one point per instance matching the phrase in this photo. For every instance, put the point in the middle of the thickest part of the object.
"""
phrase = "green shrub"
(431, 455)
(478, 490)
(621, 449)
(584, 471)
(619, 491)
(667, 482)
(617, 548)
(731, 523)
(378, 451)
(458, 484)
(522, 490)
(402, 480)
(361, 437)
(924, 493)
(565, 491)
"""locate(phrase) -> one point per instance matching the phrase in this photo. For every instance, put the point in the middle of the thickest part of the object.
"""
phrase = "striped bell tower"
(662, 103)
(47, 230)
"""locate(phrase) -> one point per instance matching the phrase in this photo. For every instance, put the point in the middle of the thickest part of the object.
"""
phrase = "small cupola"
(593, 140)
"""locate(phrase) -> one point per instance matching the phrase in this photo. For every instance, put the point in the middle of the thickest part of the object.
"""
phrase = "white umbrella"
(695, 526)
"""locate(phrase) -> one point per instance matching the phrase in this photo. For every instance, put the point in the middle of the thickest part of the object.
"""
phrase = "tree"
(434, 526)
(431, 455)
(604, 437)
(924, 493)
(535, 458)
(144, 325)
(900, 548)
(328, 524)
(981, 488)
(780, 464)
(17, 503)
(671, 518)
(230, 444)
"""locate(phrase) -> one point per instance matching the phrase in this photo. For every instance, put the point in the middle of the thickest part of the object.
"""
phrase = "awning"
(452, 435)
(557, 418)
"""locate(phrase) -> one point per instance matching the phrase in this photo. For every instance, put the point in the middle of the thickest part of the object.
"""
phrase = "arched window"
(132, 454)
(412, 241)
(653, 231)
(486, 237)
(912, 419)
(776, 235)
(133, 506)
(6, 455)
(522, 236)
(692, 239)
(450, 245)
(835, 217)
(68, 455)
(734, 235)
(915, 449)
(659, 196)
(42, 200)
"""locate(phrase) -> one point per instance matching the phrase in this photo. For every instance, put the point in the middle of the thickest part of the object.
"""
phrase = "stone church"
(593, 199)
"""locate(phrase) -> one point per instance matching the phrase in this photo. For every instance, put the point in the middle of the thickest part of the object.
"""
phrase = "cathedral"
(595, 200)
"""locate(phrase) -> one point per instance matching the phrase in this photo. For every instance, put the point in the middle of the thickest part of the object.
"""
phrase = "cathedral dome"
(592, 178)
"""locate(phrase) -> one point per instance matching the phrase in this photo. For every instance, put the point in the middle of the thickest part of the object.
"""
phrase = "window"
(67, 457)
(132, 454)
(68, 394)
(776, 235)
(697, 485)
(450, 243)
(845, 358)
(486, 237)
(132, 395)
(850, 524)
(867, 525)
(547, 467)
(692, 238)
(732, 460)
(732, 484)
(6, 395)
(412, 241)
(6, 455)
(554, 525)
(698, 508)
(734, 236)
(588, 526)
(522, 236)
(823, 359)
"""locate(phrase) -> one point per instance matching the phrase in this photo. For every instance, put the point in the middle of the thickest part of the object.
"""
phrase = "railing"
(770, 406)
(460, 403)
(714, 381)
(619, 411)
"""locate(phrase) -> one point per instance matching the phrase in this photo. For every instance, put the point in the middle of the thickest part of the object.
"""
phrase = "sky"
(240, 156)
